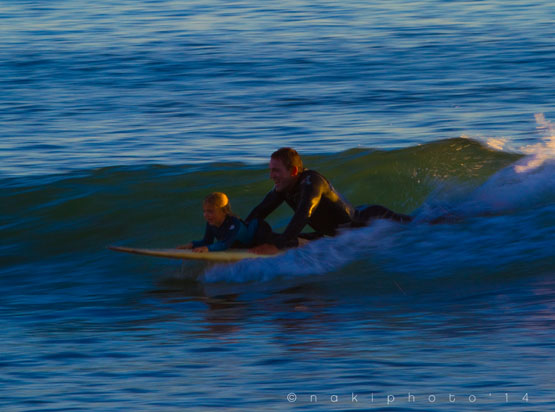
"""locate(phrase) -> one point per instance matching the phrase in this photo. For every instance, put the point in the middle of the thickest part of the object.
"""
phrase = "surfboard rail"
(230, 255)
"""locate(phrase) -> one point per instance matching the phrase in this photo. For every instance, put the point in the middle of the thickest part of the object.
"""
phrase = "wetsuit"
(233, 232)
(319, 205)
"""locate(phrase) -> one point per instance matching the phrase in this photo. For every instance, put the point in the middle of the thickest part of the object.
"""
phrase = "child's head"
(216, 208)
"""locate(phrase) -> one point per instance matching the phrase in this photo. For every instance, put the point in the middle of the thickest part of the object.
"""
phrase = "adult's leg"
(363, 214)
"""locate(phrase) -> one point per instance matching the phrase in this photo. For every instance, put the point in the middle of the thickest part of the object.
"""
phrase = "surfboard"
(231, 255)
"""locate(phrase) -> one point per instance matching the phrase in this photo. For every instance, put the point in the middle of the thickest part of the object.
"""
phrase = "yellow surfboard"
(230, 255)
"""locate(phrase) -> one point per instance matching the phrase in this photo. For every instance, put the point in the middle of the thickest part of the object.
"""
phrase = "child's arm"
(229, 237)
(207, 240)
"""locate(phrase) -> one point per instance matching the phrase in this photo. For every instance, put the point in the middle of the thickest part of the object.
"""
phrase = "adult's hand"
(265, 249)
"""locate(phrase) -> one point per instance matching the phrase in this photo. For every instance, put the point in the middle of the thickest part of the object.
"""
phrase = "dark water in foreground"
(119, 117)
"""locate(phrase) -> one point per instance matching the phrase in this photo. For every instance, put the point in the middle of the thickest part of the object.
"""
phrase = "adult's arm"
(270, 203)
(311, 192)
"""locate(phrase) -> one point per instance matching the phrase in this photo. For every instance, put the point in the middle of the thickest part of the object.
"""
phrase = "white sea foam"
(320, 256)
(535, 154)
(539, 153)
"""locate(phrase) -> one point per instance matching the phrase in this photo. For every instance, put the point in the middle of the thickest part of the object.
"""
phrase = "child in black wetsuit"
(223, 229)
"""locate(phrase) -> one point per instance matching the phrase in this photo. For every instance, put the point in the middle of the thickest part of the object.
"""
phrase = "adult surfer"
(314, 201)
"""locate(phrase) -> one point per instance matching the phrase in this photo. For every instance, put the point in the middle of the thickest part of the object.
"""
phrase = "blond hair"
(219, 199)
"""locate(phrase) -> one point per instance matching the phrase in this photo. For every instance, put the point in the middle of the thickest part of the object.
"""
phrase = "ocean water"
(117, 119)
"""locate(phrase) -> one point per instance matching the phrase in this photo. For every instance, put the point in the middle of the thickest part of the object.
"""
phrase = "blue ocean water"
(119, 117)
(173, 82)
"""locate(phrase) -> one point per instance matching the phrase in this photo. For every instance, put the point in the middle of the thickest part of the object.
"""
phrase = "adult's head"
(216, 208)
(285, 167)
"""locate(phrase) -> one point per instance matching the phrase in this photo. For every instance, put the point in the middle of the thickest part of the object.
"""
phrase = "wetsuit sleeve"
(311, 193)
(207, 240)
(229, 237)
(270, 203)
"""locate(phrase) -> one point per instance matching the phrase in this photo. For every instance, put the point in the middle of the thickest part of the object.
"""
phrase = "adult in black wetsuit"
(314, 201)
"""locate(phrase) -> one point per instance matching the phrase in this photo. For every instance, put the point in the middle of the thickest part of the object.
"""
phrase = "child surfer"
(225, 230)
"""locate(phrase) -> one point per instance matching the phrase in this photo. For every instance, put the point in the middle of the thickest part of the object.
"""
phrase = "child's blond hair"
(219, 199)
